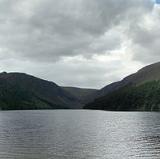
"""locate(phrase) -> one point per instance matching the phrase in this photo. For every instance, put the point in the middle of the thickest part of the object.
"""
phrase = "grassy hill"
(139, 91)
(22, 91)
(80, 93)
(145, 97)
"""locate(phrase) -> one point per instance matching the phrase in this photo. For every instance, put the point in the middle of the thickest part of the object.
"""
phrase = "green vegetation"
(146, 74)
(20, 91)
(137, 92)
(82, 94)
(144, 97)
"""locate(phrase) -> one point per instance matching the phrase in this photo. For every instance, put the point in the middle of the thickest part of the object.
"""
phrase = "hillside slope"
(80, 93)
(148, 73)
(125, 94)
(22, 91)
(145, 97)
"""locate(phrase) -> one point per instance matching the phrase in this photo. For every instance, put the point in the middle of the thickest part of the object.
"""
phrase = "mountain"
(139, 91)
(148, 73)
(22, 91)
(80, 93)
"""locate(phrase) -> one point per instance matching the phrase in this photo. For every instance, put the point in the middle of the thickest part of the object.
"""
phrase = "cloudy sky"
(84, 43)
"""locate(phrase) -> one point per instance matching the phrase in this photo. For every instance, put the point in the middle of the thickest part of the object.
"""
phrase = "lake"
(79, 134)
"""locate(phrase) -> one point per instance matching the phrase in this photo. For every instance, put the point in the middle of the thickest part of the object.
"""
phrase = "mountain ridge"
(27, 91)
(24, 91)
(80, 93)
(150, 73)
(139, 77)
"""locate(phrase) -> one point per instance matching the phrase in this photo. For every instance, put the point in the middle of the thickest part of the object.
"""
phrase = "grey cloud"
(47, 30)
(77, 71)
(38, 36)
(146, 38)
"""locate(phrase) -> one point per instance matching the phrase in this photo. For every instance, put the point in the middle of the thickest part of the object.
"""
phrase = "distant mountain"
(80, 93)
(22, 91)
(139, 91)
(148, 73)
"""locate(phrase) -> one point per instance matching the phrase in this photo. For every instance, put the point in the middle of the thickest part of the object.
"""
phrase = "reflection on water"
(68, 134)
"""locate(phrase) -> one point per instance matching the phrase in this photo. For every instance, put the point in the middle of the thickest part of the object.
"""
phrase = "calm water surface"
(68, 134)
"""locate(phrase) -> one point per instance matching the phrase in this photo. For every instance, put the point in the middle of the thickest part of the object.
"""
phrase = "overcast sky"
(84, 43)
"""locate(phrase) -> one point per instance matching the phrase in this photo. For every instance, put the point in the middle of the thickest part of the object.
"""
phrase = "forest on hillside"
(144, 97)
